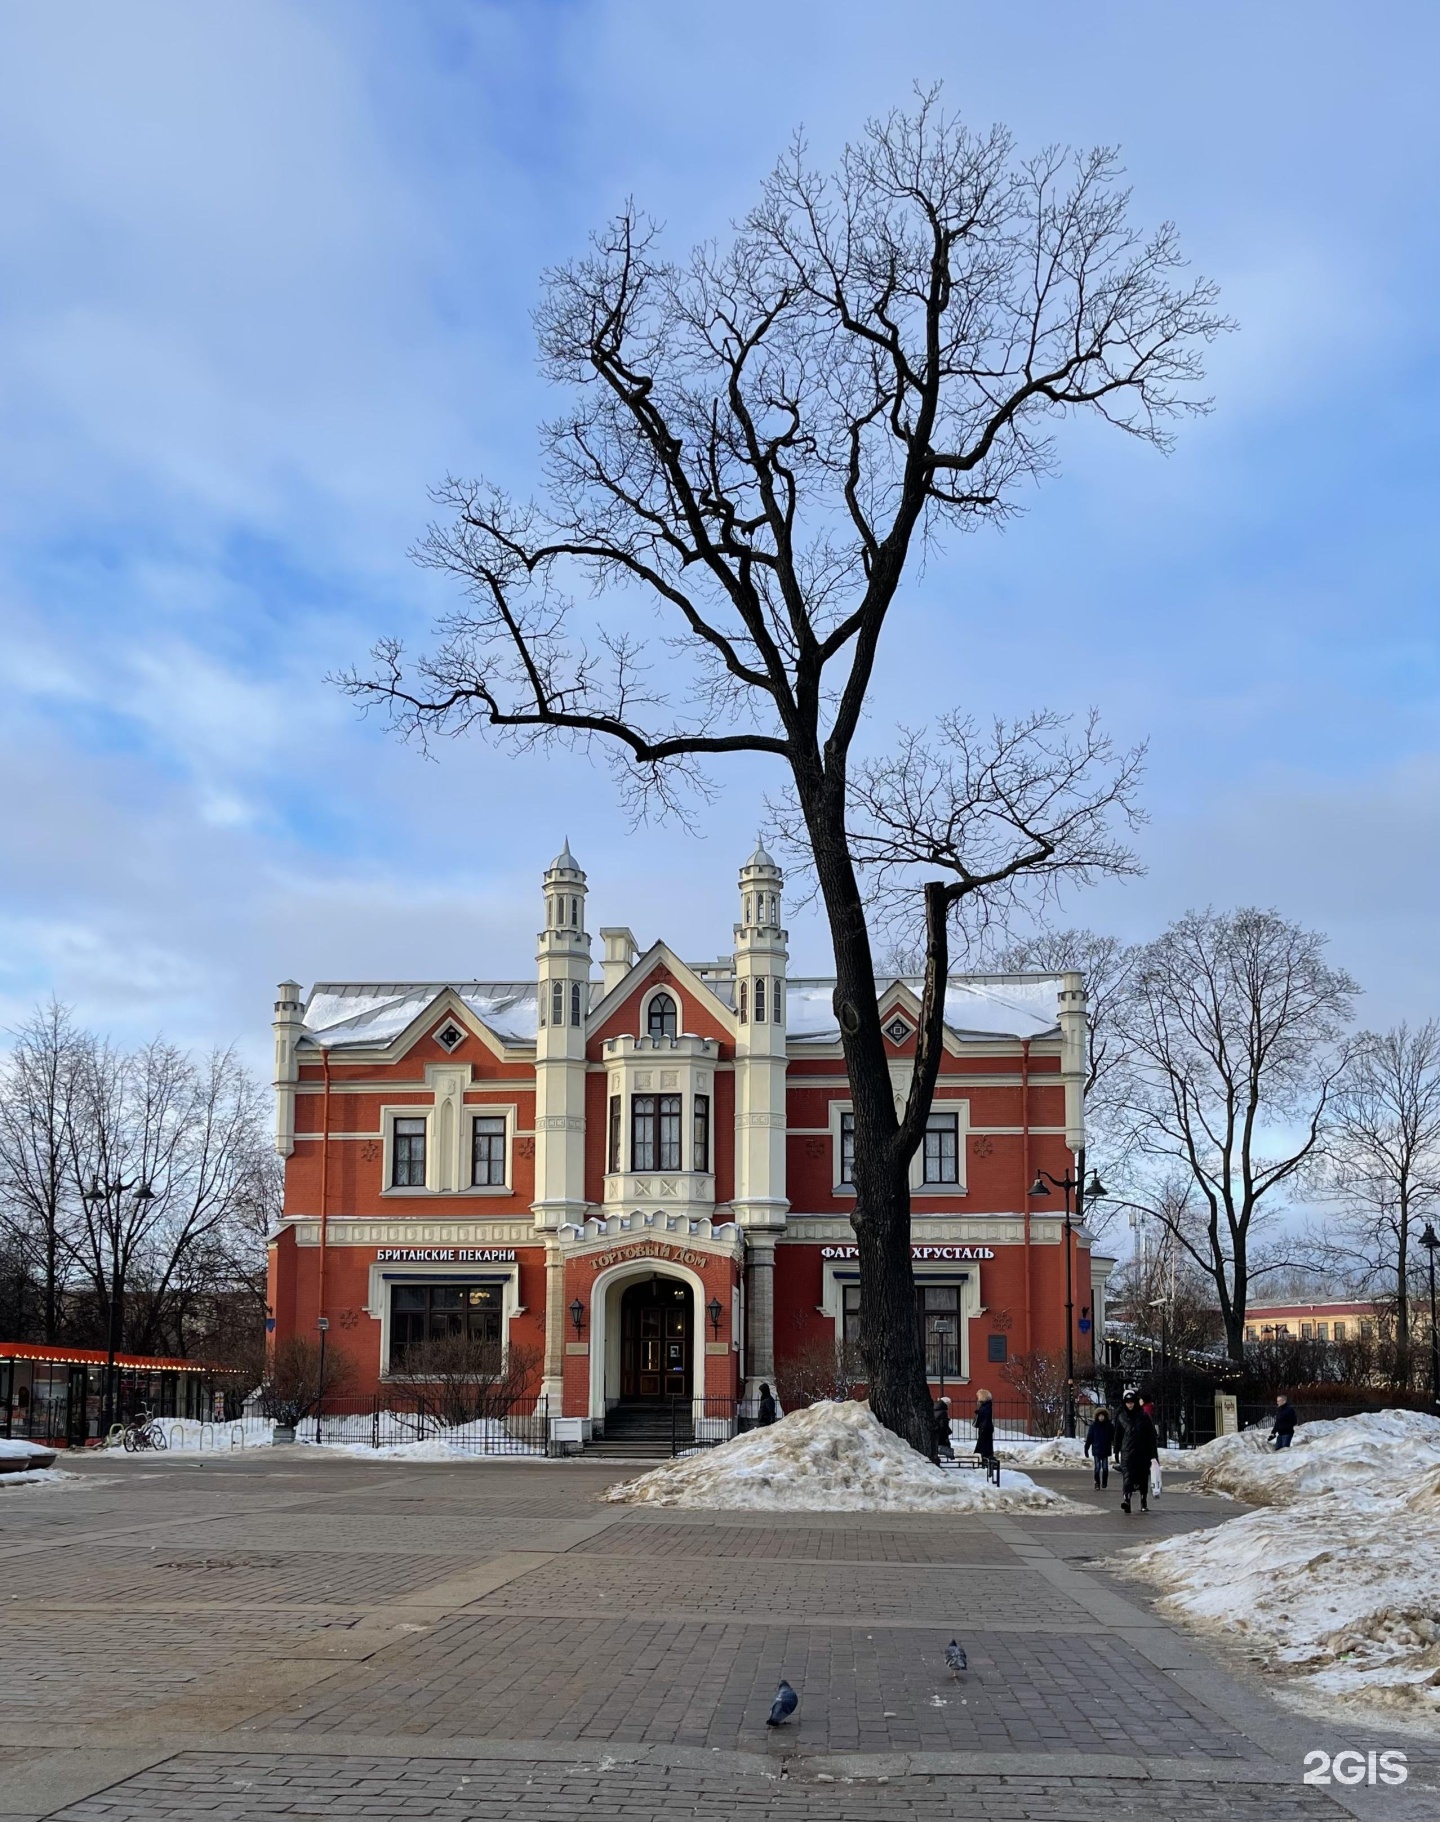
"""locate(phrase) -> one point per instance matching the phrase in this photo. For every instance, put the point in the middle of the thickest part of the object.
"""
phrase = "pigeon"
(955, 1658)
(785, 1703)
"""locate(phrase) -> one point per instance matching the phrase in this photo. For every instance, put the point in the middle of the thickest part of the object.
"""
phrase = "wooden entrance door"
(655, 1339)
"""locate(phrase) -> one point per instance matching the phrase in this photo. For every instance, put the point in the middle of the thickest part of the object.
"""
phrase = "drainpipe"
(324, 1184)
(1026, 1179)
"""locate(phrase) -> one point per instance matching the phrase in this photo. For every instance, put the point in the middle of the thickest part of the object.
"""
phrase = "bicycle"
(142, 1432)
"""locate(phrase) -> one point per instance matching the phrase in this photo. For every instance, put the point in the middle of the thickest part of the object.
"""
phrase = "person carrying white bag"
(1139, 1449)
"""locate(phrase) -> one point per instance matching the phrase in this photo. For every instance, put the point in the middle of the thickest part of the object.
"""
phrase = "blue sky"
(266, 274)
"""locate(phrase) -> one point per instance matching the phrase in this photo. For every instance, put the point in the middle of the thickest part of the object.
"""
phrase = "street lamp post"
(323, 1324)
(1429, 1240)
(100, 1196)
(1069, 1186)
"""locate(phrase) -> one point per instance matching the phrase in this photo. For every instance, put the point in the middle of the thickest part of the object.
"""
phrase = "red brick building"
(642, 1176)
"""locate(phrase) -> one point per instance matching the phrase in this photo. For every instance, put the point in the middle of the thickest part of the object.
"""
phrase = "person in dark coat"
(767, 1406)
(1138, 1447)
(940, 1429)
(1283, 1428)
(1099, 1444)
(985, 1430)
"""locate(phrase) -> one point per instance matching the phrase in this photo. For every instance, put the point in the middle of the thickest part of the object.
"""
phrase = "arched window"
(660, 1020)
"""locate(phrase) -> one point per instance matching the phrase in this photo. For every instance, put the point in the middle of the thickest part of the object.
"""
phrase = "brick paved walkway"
(278, 1634)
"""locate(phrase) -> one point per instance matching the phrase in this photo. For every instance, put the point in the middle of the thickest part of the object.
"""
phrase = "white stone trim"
(385, 1274)
(836, 1274)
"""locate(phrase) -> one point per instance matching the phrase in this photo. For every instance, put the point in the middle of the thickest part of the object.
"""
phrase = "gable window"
(408, 1160)
(614, 1145)
(942, 1149)
(700, 1146)
(660, 1018)
(847, 1149)
(487, 1167)
(760, 999)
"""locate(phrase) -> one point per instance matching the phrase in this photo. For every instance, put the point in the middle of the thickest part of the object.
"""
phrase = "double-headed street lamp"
(1077, 1187)
(100, 1196)
(1430, 1240)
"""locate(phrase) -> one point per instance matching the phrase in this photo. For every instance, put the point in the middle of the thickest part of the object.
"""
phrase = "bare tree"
(1108, 966)
(1041, 1381)
(454, 1380)
(291, 1388)
(759, 443)
(1385, 1163)
(1233, 1033)
(38, 1089)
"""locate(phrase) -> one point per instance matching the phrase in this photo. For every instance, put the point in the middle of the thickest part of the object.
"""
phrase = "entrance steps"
(643, 1430)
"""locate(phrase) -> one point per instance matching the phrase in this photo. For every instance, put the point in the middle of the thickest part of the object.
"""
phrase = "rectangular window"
(998, 1350)
(1339, 1331)
(643, 1136)
(847, 1149)
(614, 1163)
(760, 999)
(1322, 1331)
(487, 1153)
(1367, 1330)
(942, 1149)
(938, 1309)
(408, 1160)
(669, 1132)
(421, 1313)
(1306, 1331)
(700, 1145)
(851, 1323)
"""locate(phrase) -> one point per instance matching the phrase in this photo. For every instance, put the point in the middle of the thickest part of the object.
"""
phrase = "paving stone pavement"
(296, 1633)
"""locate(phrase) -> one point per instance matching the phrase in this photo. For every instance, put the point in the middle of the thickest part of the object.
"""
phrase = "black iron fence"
(387, 1421)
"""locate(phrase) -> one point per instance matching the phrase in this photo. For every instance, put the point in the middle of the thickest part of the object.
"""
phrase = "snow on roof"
(355, 1012)
(341, 1013)
(976, 1005)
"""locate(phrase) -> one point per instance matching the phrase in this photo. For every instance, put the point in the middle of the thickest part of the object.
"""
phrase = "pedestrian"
(985, 1430)
(1099, 1441)
(1139, 1446)
(940, 1430)
(767, 1405)
(1283, 1428)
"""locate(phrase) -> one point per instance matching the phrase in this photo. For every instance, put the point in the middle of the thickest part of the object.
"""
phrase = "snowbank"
(187, 1434)
(1373, 1453)
(828, 1458)
(1336, 1580)
(38, 1477)
(482, 1439)
(1069, 1452)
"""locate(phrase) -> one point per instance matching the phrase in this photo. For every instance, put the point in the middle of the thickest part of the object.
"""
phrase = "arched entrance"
(657, 1339)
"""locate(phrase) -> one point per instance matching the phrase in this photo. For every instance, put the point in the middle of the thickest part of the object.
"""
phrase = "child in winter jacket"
(1099, 1445)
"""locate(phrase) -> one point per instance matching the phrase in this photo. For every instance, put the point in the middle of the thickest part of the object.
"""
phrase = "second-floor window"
(408, 1162)
(942, 1149)
(655, 1132)
(847, 1148)
(660, 1019)
(488, 1152)
(614, 1137)
(700, 1157)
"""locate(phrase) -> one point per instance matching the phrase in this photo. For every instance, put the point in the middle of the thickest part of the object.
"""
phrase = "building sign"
(650, 1249)
(924, 1254)
(446, 1255)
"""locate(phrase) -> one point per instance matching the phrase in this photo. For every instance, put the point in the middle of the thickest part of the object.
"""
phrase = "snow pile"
(827, 1458)
(482, 1439)
(188, 1435)
(1338, 1581)
(1372, 1453)
(1069, 1452)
